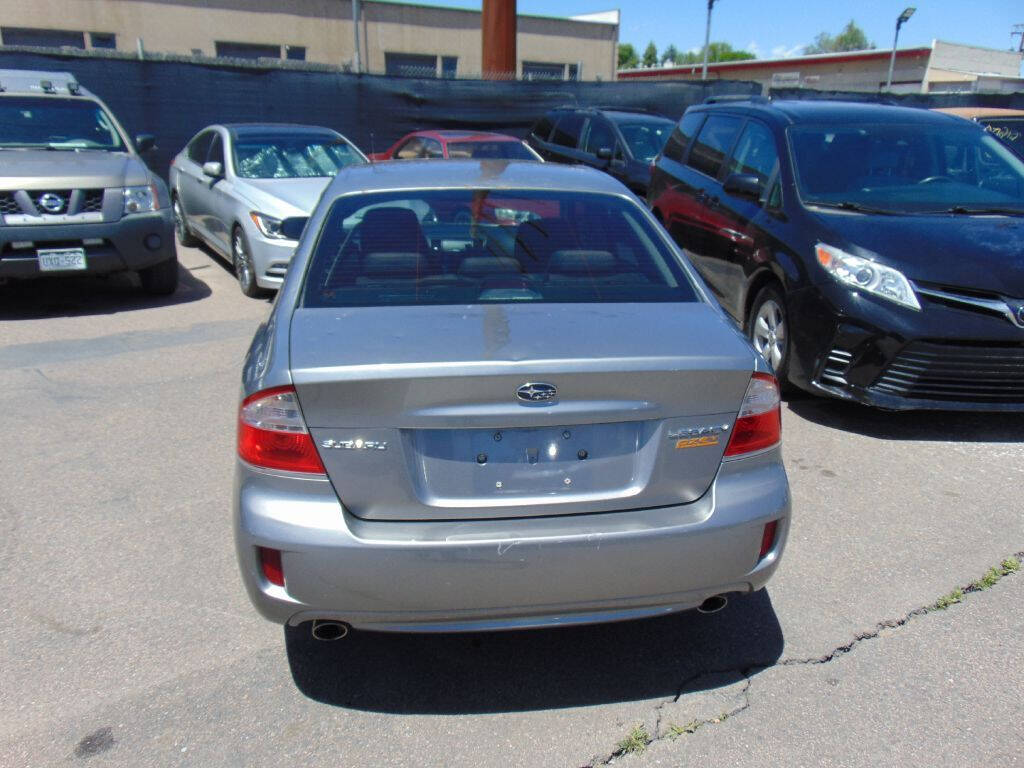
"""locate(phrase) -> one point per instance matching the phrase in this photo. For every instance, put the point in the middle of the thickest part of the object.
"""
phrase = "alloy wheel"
(769, 332)
(242, 262)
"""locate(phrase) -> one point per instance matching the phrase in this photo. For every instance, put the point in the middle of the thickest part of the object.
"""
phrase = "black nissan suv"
(619, 141)
(871, 252)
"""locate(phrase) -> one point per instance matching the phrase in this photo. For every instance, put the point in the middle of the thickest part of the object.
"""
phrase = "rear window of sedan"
(490, 247)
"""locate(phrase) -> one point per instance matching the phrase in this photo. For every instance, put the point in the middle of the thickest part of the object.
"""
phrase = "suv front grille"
(956, 372)
(56, 201)
(8, 204)
(92, 201)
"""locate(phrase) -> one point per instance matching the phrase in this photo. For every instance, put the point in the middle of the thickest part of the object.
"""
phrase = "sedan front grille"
(956, 372)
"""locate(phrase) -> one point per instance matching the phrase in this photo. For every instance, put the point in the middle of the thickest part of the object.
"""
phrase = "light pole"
(707, 42)
(907, 13)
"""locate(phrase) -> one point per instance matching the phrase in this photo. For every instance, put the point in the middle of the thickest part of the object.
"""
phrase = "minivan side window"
(713, 143)
(675, 148)
(200, 147)
(543, 128)
(567, 131)
(755, 152)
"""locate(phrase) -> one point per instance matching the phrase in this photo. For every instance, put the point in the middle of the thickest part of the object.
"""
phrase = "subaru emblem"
(537, 393)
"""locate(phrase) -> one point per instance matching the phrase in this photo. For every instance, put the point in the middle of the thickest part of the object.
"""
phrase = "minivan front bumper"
(868, 350)
(463, 575)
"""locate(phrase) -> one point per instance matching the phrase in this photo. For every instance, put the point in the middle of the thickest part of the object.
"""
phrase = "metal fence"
(174, 96)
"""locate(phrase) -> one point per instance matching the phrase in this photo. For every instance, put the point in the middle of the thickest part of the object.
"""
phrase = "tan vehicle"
(1005, 124)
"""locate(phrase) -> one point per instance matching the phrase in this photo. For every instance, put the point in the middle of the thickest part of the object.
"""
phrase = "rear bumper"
(506, 574)
(133, 242)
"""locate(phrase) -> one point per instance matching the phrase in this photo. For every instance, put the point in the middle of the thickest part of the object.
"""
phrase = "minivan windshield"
(293, 156)
(29, 122)
(490, 246)
(906, 168)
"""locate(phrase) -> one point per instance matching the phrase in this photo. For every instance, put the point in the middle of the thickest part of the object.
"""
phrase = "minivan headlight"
(267, 225)
(866, 275)
(140, 199)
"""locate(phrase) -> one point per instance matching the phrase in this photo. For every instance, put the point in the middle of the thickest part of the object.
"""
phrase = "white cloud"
(754, 48)
(787, 52)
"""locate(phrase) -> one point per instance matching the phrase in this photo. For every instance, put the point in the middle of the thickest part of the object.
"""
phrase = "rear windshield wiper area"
(849, 205)
(965, 210)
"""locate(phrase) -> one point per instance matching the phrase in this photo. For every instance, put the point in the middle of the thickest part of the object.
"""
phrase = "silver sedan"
(537, 417)
(232, 185)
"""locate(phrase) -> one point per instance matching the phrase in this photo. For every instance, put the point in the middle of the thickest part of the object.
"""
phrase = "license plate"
(60, 259)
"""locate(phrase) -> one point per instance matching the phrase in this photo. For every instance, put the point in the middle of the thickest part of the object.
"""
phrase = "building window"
(247, 50)
(103, 40)
(574, 72)
(539, 70)
(44, 38)
(295, 52)
(449, 66)
(410, 65)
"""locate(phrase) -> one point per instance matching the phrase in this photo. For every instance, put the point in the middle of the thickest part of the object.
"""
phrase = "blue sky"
(782, 27)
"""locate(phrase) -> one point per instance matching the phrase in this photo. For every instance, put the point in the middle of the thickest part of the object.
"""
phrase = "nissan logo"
(536, 393)
(51, 202)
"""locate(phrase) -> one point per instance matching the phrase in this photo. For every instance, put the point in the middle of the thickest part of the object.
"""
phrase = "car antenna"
(373, 149)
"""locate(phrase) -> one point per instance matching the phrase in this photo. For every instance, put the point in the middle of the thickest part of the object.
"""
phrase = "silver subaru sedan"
(535, 417)
(232, 185)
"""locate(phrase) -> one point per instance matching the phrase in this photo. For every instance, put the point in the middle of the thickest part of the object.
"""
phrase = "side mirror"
(216, 170)
(743, 185)
(604, 153)
(292, 227)
(144, 142)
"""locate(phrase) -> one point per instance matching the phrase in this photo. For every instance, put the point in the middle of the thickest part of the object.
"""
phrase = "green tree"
(851, 38)
(627, 56)
(670, 55)
(651, 55)
(716, 52)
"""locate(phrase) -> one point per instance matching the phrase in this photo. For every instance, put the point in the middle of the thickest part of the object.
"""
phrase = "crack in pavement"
(747, 672)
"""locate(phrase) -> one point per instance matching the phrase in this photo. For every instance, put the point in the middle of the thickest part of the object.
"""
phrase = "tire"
(181, 231)
(160, 279)
(768, 330)
(241, 260)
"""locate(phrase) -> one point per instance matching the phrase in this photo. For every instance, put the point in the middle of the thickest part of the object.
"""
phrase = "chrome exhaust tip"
(713, 604)
(328, 631)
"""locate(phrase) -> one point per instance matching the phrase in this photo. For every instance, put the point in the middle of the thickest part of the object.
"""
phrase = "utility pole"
(498, 36)
(357, 64)
(707, 42)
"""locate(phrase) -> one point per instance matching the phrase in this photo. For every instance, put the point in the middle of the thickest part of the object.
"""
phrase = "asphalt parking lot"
(126, 637)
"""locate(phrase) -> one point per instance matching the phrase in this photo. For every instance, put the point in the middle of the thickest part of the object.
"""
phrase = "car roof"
(472, 174)
(248, 129)
(634, 117)
(788, 112)
(446, 135)
(974, 112)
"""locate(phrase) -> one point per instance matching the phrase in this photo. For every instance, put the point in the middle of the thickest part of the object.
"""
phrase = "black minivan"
(871, 252)
(619, 141)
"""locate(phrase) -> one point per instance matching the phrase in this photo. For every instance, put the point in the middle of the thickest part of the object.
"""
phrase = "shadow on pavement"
(537, 669)
(963, 427)
(91, 295)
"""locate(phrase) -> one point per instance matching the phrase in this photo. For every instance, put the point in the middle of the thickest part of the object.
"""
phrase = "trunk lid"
(416, 416)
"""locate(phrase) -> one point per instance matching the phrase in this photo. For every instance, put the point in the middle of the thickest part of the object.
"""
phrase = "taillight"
(272, 434)
(759, 424)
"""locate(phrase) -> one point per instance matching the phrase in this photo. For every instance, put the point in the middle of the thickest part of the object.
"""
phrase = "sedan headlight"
(267, 225)
(866, 275)
(140, 199)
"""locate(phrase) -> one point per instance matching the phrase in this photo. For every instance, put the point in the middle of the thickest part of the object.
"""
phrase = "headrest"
(582, 262)
(393, 265)
(481, 266)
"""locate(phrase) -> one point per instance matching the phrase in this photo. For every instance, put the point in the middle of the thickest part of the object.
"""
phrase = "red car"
(453, 145)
